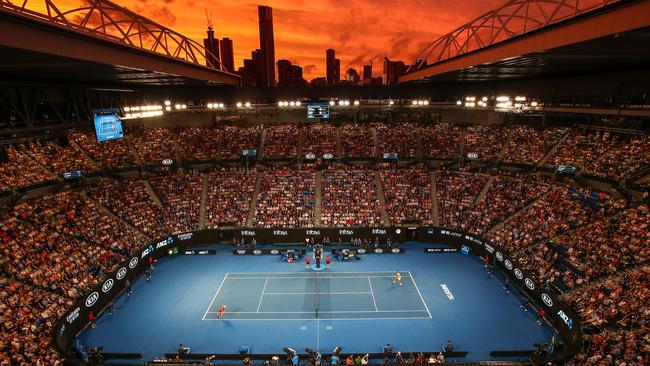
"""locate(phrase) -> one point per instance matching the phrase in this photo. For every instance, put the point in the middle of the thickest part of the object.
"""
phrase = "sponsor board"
(499, 256)
(378, 231)
(346, 232)
(247, 233)
(379, 250)
(508, 264)
(472, 155)
(73, 315)
(121, 273)
(312, 232)
(529, 283)
(185, 236)
(565, 318)
(108, 285)
(92, 299)
(440, 250)
(199, 252)
(519, 274)
(133, 262)
(280, 232)
(167, 162)
(328, 156)
(548, 301)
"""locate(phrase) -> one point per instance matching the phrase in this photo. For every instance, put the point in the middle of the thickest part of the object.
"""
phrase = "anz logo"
(568, 321)
(108, 285)
(92, 299)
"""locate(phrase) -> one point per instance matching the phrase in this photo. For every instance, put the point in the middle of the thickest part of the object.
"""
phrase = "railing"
(104, 19)
(514, 18)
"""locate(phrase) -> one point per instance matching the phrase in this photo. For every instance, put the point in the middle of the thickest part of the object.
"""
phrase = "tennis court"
(314, 295)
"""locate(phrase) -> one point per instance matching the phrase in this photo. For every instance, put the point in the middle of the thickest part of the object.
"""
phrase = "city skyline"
(359, 31)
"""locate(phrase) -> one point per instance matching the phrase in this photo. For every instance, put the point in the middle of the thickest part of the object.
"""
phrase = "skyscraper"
(267, 46)
(289, 75)
(227, 54)
(330, 56)
(367, 71)
(211, 45)
(392, 71)
(337, 71)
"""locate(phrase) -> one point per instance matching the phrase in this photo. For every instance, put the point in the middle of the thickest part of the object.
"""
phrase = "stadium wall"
(559, 314)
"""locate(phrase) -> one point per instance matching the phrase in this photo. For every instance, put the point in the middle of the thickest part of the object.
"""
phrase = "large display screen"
(318, 110)
(107, 125)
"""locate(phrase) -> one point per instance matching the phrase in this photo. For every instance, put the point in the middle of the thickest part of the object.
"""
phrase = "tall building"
(289, 75)
(227, 54)
(392, 71)
(267, 46)
(367, 71)
(337, 71)
(211, 45)
(250, 76)
(352, 76)
(330, 57)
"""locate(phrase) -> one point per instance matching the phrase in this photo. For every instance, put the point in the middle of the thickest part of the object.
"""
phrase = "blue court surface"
(272, 304)
(312, 295)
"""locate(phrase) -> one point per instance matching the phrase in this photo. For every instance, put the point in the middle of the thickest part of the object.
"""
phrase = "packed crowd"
(440, 141)
(199, 143)
(320, 139)
(236, 139)
(180, 195)
(349, 198)
(485, 141)
(456, 193)
(281, 142)
(60, 159)
(356, 141)
(402, 140)
(286, 199)
(530, 145)
(130, 201)
(154, 145)
(407, 194)
(229, 197)
(21, 170)
(113, 154)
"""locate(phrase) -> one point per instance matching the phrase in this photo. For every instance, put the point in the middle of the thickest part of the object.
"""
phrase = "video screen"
(318, 110)
(107, 125)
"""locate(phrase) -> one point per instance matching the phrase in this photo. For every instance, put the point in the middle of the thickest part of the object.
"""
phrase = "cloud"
(309, 69)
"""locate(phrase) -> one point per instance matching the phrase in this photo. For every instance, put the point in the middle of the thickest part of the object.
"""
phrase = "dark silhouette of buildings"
(392, 71)
(267, 46)
(333, 67)
(321, 81)
(352, 76)
(289, 75)
(250, 75)
(211, 45)
(227, 54)
(367, 72)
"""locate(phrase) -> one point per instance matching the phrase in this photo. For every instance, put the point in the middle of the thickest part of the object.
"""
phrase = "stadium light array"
(239, 105)
(533, 104)
(520, 99)
(420, 102)
(168, 103)
(332, 102)
(503, 98)
(215, 105)
(391, 102)
(459, 102)
(247, 104)
(356, 102)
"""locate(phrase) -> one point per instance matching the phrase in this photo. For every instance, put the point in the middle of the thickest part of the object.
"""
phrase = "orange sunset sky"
(359, 30)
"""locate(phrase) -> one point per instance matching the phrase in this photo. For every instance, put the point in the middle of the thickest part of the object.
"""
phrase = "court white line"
(421, 298)
(317, 293)
(271, 273)
(326, 312)
(214, 297)
(321, 277)
(373, 294)
(262, 295)
(304, 319)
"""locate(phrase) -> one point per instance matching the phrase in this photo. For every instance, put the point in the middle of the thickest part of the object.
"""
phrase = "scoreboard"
(318, 110)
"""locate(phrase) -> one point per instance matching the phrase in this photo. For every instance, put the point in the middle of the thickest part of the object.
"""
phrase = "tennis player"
(397, 278)
(222, 310)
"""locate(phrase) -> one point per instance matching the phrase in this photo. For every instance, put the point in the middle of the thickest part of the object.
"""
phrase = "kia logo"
(92, 299)
(395, 250)
(108, 285)
(310, 156)
(362, 251)
(327, 156)
(257, 251)
(472, 155)
(398, 231)
(275, 251)
(529, 283)
(133, 262)
(547, 300)
(241, 251)
(499, 257)
(379, 250)
(518, 273)
(167, 162)
(121, 273)
(508, 265)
